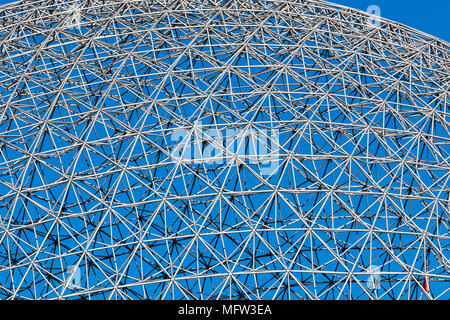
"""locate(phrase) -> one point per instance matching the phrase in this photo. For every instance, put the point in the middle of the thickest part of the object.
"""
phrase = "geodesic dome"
(97, 201)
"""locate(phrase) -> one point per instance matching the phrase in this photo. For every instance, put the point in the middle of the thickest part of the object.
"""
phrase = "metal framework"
(94, 204)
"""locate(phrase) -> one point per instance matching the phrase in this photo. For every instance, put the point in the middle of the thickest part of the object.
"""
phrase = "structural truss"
(95, 205)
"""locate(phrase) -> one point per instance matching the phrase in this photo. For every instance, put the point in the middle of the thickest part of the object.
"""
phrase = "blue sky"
(431, 16)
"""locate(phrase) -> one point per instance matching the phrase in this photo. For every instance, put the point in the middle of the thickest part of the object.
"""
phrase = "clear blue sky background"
(431, 16)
